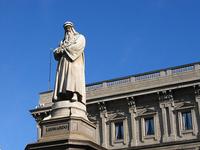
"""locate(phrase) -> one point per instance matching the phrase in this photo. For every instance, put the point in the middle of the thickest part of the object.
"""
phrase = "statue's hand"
(58, 50)
(61, 43)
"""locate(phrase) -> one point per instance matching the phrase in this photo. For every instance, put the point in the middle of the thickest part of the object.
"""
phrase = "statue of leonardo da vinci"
(70, 73)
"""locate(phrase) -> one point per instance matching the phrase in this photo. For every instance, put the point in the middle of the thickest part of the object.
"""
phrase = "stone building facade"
(155, 110)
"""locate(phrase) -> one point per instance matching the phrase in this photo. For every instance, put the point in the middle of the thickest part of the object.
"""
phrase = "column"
(172, 121)
(164, 122)
(197, 99)
(166, 101)
(125, 122)
(97, 132)
(156, 124)
(103, 116)
(180, 125)
(195, 130)
(142, 128)
(132, 111)
(112, 129)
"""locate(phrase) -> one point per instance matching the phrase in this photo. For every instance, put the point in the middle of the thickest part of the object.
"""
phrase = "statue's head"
(68, 25)
(69, 28)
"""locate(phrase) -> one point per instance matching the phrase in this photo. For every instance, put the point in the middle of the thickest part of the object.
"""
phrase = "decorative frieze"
(131, 101)
(131, 104)
(102, 106)
(165, 96)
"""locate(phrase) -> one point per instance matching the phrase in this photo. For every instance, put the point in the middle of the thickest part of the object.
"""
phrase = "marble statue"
(70, 73)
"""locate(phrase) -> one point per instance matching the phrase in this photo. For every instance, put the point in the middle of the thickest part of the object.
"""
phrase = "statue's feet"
(74, 98)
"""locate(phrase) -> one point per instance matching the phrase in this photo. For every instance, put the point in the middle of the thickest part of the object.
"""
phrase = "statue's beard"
(69, 36)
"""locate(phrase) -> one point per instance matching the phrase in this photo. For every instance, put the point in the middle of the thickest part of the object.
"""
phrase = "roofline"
(134, 75)
(139, 74)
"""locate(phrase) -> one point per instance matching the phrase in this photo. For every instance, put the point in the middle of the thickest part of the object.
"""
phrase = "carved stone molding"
(39, 116)
(92, 118)
(197, 90)
(165, 96)
(131, 101)
(102, 106)
(131, 104)
(117, 116)
(184, 106)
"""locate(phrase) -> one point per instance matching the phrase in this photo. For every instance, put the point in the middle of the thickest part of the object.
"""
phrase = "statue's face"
(68, 29)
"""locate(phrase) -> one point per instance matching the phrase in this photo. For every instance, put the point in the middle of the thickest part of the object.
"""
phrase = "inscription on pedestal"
(61, 127)
(55, 129)
(67, 128)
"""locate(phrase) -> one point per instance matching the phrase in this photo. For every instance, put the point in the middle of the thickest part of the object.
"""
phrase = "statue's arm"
(76, 49)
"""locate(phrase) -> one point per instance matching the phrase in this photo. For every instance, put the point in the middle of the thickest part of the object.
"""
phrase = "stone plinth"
(67, 108)
(65, 144)
(63, 133)
(67, 127)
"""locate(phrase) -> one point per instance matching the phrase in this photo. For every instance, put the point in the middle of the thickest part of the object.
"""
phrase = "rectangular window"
(149, 126)
(187, 120)
(119, 131)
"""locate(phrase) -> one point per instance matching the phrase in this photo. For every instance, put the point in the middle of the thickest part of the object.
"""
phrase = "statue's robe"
(70, 74)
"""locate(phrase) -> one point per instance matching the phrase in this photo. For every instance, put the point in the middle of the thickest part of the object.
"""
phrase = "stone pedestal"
(67, 128)
(63, 133)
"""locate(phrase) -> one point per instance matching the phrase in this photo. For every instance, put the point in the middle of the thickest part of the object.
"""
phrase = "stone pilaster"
(39, 131)
(103, 116)
(164, 122)
(197, 99)
(197, 96)
(167, 107)
(132, 111)
(172, 121)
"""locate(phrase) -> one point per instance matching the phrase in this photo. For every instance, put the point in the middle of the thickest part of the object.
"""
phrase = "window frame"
(121, 125)
(149, 118)
(120, 117)
(181, 110)
(148, 113)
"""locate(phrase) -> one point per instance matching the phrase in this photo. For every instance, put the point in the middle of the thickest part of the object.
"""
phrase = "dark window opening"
(119, 131)
(187, 120)
(149, 126)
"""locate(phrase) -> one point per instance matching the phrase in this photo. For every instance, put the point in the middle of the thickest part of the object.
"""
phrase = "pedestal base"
(65, 144)
(65, 133)
(67, 127)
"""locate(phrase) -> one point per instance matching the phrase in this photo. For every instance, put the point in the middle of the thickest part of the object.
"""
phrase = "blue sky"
(124, 37)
